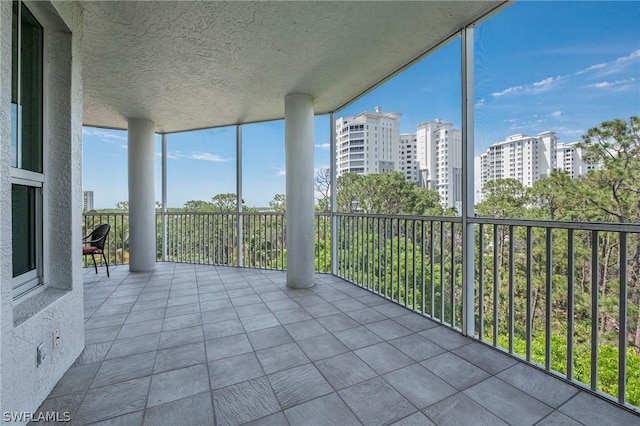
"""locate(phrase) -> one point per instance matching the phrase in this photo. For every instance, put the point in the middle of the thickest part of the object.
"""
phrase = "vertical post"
(298, 113)
(239, 194)
(333, 195)
(142, 224)
(468, 236)
(164, 197)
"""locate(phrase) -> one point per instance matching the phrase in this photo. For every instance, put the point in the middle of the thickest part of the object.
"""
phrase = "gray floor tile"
(122, 369)
(235, 369)
(94, 352)
(175, 311)
(222, 329)
(244, 402)
(455, 370)
(276, 419)
(383, 357)
(420, 386)
(182, 300)
(104, 334)
(76, 379)
(348, 305)
(113, 400)
(149, 304)
(345, 370)
(357, 337)
(105, 321)
(179, 357)
(323, 346)
(214, 305)
(298, 385)
(328, 410)
(281, 357)
(510, 404)
(183, 336)
(460, 410)
(542, 386)
(104, 310)
(375, 402)
(558, 419)
(366, 315)
(292, 315)
(140, 328)
(66, 406)
(227, 346)
(258, 322)
(133, 345)
(391, 310)
(273, 295)
(223, 314)
(322, 310)
(417, 347)
(252, 310)
(269, 337)
(485, 357)
(194, 410)
(146, 315)
(282, 305)
(415, 322)
(591, 410)
(177, 384)
(388, 329)
(245, 300)
(131, 419)
(417, 419)
(447, 338)
(305, 329)
(181, 321)
(338, 322)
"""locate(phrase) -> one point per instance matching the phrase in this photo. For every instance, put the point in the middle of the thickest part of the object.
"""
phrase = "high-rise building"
(408, 155)
(570, 158)
(368, 142)
(524, 158)
(88, 201)
(439, 160)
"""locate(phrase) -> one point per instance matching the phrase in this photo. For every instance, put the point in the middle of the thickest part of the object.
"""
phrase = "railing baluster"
(442, 271)
(423, 282)
(512, 255)
(496, 284)
(452, 278)
(481, 281)
(529, 314)
(570, 302)
(549, 304)
(595, 273)
(622, 330)
(413, 262)
(432, 255)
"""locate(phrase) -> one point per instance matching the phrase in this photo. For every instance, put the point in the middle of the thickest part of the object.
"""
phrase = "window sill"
(32, 304)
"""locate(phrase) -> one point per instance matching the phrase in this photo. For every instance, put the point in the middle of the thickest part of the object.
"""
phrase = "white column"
(298, 119)
(142, 214)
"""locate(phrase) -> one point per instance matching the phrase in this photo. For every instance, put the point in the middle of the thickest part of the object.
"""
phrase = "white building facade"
(526, 159)
(88, 201)
(368, 142)
(439, 160)
(571, 158)
(408, 155)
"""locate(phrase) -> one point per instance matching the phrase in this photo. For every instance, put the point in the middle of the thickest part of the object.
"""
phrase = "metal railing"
(562, 296)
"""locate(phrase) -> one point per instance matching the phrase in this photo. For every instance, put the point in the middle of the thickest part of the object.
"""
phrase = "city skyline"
(521, 86)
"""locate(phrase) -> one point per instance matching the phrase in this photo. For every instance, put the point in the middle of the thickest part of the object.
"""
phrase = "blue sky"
(559, 66)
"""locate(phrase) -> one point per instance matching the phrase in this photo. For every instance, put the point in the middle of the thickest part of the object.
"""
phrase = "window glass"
(23, 212)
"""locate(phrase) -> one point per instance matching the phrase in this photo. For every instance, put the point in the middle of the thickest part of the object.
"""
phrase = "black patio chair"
(94, 244)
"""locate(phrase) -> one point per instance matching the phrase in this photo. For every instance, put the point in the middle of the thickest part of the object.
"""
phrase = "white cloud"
(613, 67)
(104, 135)
(281, 171)
(198, 155)
(533, 88)
(323, 145)
(614, 85)
(207, 156)
(557, 114)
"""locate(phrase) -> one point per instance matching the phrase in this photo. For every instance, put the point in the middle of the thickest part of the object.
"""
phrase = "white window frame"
(34, 279)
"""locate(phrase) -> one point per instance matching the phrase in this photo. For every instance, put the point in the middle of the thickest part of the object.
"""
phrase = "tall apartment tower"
(439, 160)
(368, 142)
(88, 201)
(408, 155)
(570, 158)
(524, 158)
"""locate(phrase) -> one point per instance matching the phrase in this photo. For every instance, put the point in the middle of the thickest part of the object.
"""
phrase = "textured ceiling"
(188, 65)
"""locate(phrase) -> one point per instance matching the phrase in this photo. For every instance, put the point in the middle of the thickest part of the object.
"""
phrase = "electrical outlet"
(56, 338)
(42, 354)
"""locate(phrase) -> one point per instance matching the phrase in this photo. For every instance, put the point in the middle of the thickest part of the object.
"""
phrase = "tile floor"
(203, 345)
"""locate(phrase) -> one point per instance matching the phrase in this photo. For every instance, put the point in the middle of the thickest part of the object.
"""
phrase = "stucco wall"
(32, 319)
